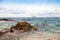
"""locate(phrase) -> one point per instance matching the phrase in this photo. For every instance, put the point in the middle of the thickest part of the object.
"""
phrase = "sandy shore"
(41, 36)
(31, 36)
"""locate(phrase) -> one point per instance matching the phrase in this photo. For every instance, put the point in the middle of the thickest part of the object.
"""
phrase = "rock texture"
(24, 26)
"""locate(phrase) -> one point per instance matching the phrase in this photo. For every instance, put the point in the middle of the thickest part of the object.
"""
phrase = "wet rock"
(24, 26)
(5, 19)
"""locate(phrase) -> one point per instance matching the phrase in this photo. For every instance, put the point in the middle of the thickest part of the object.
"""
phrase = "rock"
(5, 19)
(20, 27)
(24, 26)
(16, 32)
(1, 33)
(4, 31)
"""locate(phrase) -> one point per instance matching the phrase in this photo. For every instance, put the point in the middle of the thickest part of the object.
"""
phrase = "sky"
(29, 8)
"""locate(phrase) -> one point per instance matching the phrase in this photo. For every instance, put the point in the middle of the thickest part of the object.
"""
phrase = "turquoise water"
(43, 24)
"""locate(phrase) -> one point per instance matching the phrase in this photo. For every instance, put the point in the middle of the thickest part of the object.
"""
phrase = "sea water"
(47, 24)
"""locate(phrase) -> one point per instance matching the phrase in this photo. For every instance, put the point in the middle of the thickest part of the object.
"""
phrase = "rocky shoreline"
(25, 31)
(20, 27)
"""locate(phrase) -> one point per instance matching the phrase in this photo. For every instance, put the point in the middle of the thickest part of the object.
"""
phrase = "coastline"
(33, 35)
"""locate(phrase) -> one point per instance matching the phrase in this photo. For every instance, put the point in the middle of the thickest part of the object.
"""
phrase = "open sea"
(47, 24)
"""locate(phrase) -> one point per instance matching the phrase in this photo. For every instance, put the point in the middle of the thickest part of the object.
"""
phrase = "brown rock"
(23, 26)
(1, 33)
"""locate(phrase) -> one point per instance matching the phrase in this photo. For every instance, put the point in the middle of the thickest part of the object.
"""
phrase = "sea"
(44, 24)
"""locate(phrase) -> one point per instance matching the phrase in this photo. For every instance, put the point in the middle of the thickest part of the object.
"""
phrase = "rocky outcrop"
(20, 27)
(24, 26)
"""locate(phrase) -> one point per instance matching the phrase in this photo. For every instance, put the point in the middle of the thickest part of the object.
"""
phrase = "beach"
(45, 31)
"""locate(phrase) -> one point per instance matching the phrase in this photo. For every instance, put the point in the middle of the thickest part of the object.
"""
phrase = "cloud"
(26, 10)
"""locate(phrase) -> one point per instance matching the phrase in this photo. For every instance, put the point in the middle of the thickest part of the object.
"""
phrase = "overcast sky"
(30, 8)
